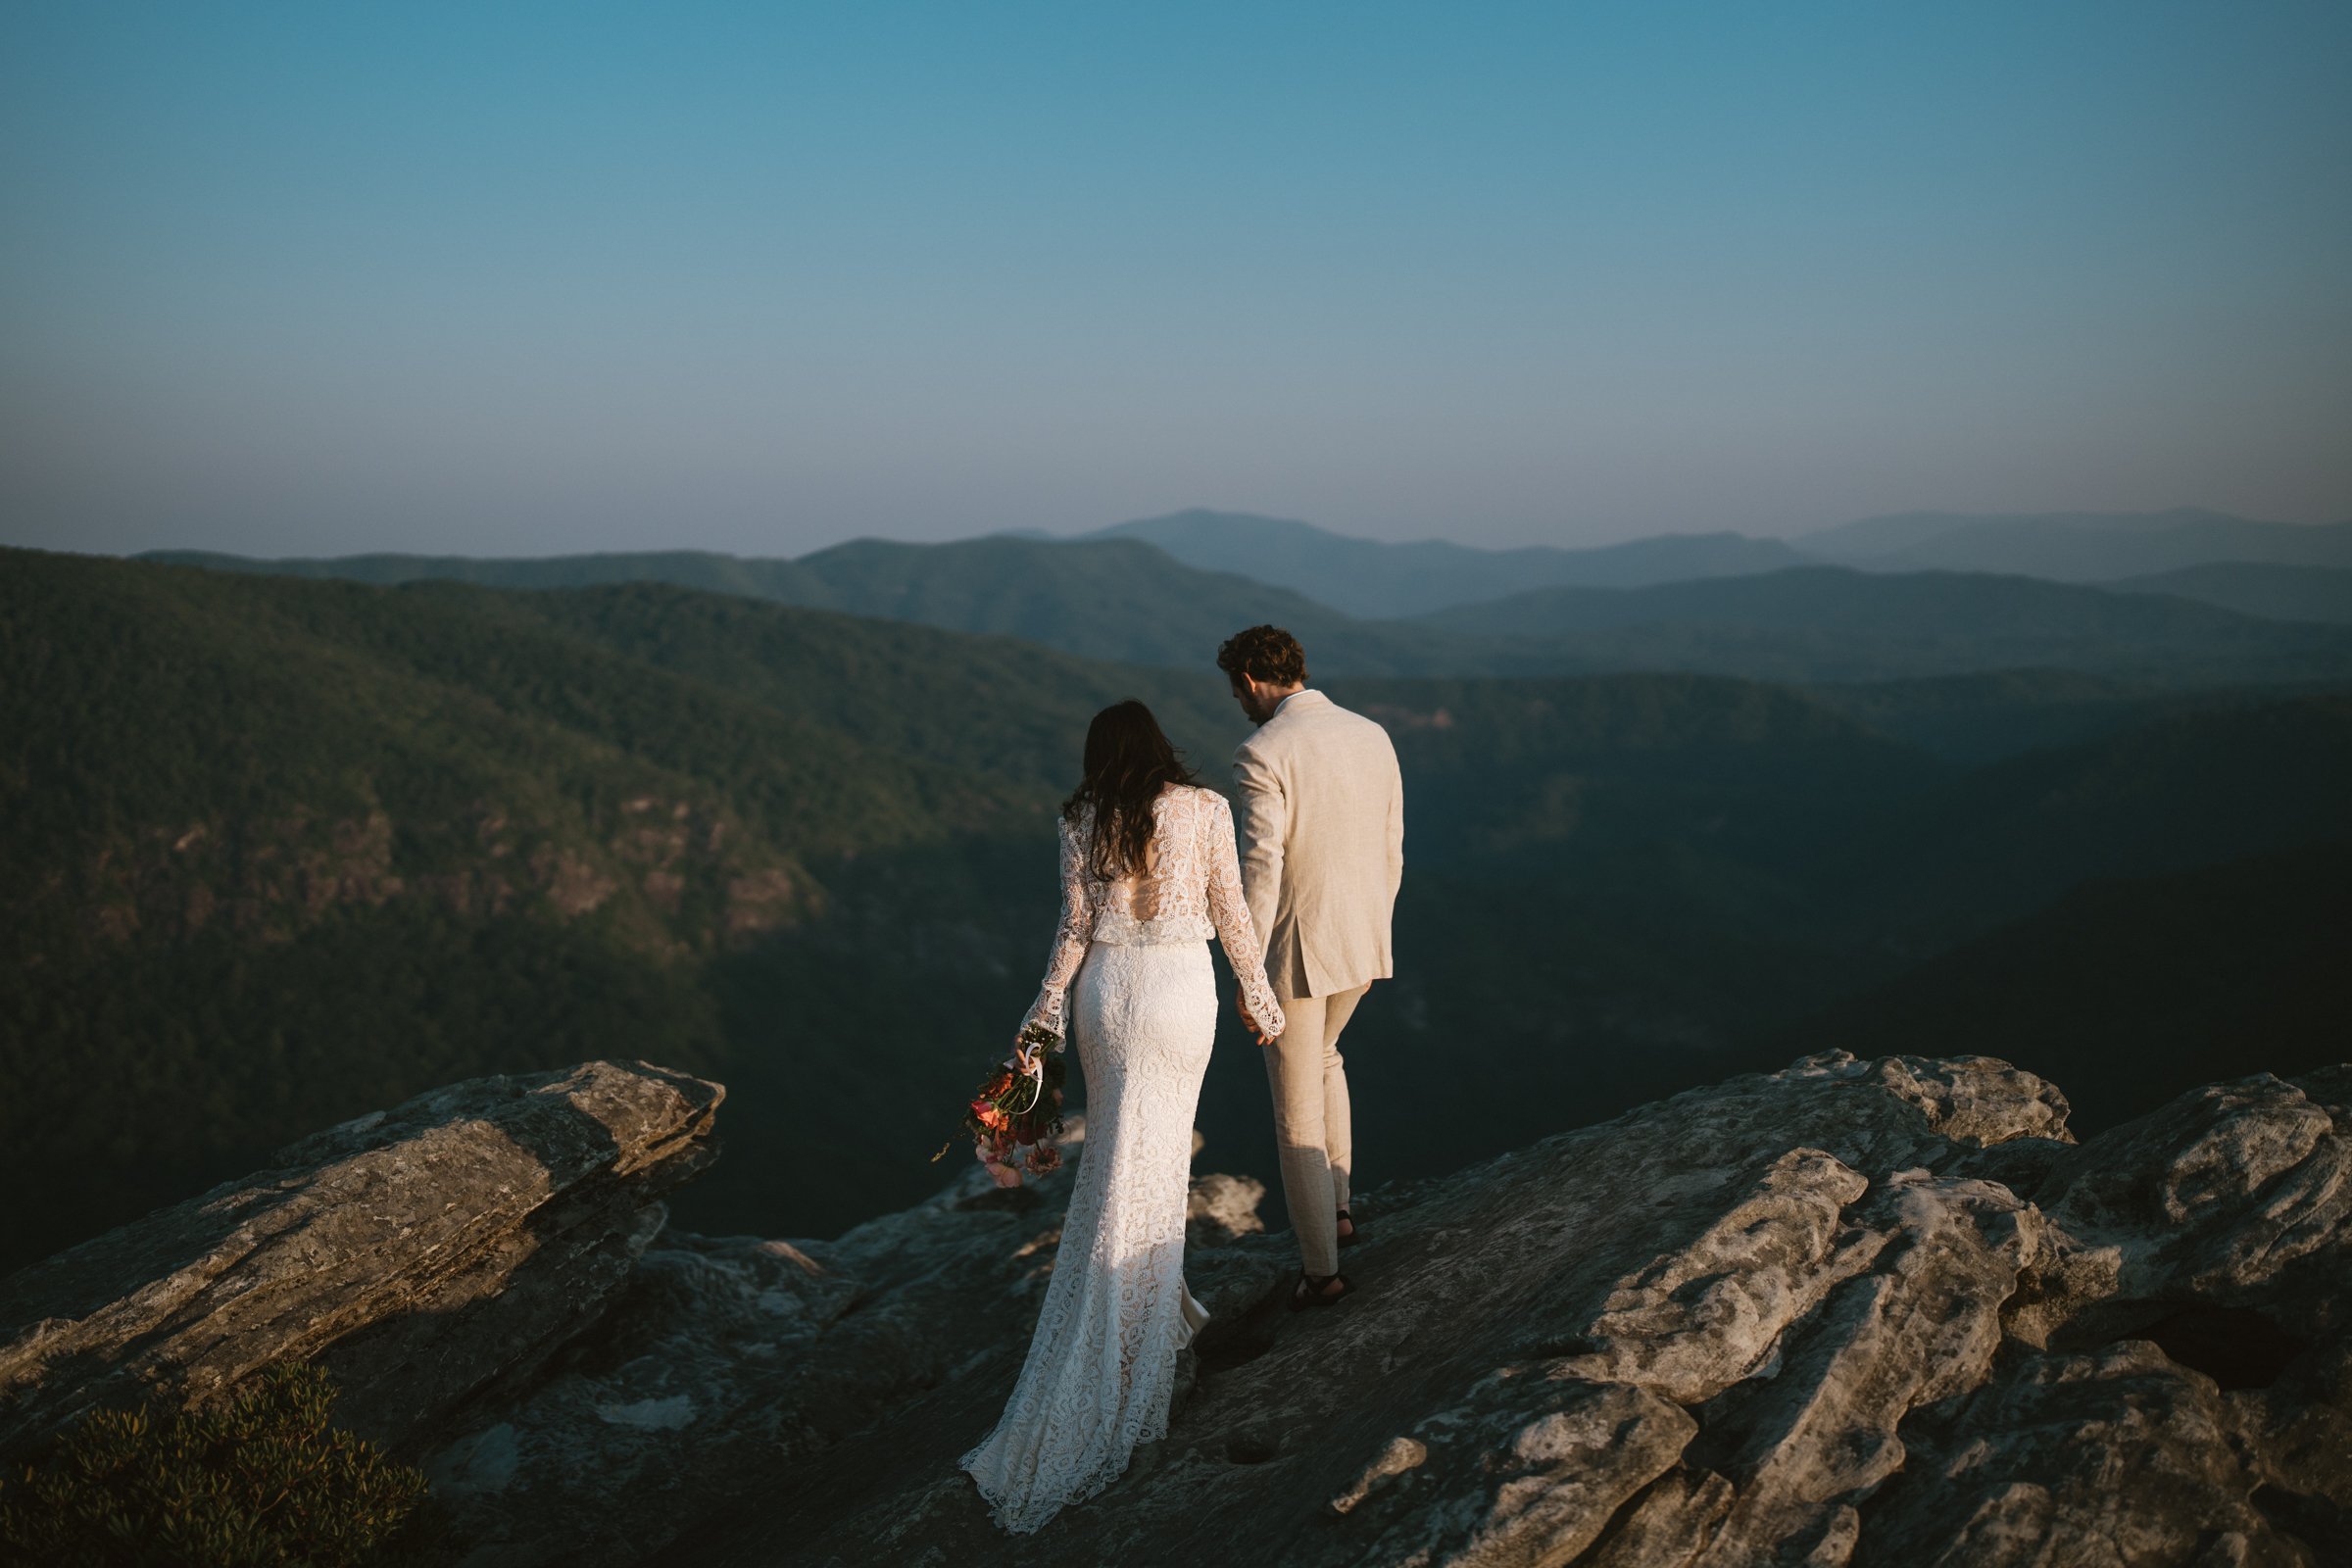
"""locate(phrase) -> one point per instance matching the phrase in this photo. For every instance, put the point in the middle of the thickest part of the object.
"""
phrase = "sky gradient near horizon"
(531, 279)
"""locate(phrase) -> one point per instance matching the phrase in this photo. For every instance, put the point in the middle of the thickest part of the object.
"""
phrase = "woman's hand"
(1241, 1003)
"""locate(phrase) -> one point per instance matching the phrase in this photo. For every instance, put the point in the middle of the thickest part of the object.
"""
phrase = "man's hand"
(1241, 1003)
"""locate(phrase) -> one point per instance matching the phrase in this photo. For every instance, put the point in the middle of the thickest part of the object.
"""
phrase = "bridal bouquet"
(1016, 1112)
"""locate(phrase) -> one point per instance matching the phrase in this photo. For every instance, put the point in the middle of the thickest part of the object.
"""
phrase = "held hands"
(1241, 1003)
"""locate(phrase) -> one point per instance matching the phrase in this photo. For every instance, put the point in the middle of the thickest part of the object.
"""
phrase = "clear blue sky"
(524, 278)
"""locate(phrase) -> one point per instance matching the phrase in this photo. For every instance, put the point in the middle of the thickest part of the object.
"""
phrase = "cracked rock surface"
(1869, 1312)
(1876, 1312)
(427, 1256)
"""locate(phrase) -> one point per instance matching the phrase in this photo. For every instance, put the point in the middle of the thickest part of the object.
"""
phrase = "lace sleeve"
(1230, 912)
(1071, 932)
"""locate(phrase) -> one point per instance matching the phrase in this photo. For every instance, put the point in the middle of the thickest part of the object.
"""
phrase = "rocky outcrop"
(425, 1254)
(1870, 1312)
(1876, 1312)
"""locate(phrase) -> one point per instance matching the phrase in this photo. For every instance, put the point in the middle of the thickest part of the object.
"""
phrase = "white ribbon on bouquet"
(1030, 1063)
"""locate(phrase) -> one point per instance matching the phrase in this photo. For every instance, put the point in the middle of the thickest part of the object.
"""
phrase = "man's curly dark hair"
(1266, 653)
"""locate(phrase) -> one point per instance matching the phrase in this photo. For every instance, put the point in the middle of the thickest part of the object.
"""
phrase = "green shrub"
(259, 1482)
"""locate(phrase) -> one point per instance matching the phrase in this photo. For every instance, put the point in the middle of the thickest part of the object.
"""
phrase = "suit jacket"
(1322, 828)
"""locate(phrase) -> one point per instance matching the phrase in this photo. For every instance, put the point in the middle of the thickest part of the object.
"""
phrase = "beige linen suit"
(1322, 832)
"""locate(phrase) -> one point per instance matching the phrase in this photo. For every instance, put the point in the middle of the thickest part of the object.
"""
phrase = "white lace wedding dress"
(1133, 958)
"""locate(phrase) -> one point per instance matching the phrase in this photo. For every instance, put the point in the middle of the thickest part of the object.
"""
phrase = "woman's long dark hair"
(1128, 762)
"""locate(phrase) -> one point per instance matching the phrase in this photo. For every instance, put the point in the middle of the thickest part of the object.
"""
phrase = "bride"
(1148, 873)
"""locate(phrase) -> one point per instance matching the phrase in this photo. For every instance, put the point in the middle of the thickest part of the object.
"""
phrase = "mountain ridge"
(1118, 599)
(1378, 580)
(1127, 600)
(1842, 623)
(2254, 588)
(2076, 546)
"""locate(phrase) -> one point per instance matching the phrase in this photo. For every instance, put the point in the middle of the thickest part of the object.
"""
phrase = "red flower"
(1012, 1121)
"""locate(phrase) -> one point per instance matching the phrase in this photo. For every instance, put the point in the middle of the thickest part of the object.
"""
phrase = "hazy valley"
(286, 848)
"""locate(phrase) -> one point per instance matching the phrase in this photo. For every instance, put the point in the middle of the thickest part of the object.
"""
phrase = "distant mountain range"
(1835, 623)
(1125, 599)
(2274, 570)
(2255, 588)
(1118, 599)
(1377, 581)
(2076, 546)
(1381, 581)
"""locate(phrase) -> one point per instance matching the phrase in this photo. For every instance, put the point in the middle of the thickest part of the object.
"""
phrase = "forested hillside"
(283, 851)
(2125, 985)
(280, 850)
(1629, 882)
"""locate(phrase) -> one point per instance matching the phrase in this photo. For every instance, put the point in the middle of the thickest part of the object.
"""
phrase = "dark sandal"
(1349, 1240)
(1315, 1291)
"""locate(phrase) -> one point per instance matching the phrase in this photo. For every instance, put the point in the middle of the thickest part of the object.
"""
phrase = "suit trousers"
(1311, 1132)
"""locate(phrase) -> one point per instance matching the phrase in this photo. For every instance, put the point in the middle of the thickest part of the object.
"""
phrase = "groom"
(1322, 828)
